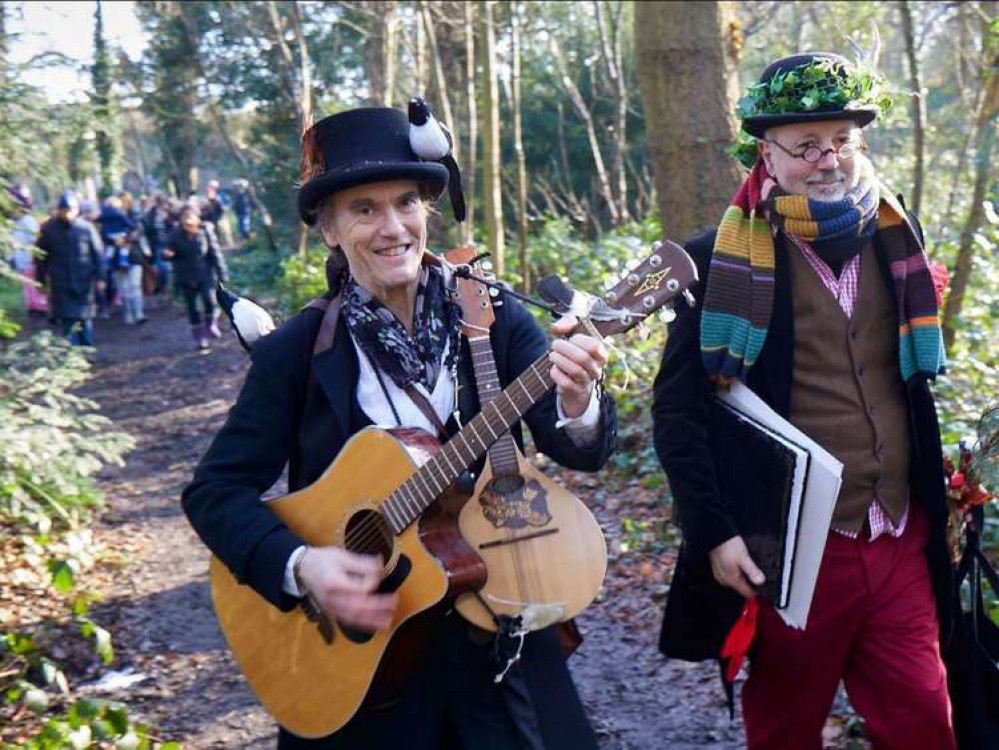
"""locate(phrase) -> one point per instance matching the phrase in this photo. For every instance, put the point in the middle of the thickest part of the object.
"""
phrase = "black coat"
(73, 260)
(275, 421)
(270, 426)
(196, 260)
(699, 612)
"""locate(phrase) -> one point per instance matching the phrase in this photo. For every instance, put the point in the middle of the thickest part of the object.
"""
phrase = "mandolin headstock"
(666, 274)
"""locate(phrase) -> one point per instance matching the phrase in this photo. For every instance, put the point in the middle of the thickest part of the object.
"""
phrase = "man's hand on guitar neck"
(344, 583)
(577, 363)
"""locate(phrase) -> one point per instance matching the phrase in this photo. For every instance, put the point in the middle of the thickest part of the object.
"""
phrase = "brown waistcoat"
(847, 393)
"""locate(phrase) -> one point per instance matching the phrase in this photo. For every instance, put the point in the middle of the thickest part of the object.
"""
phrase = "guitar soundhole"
(368, 533)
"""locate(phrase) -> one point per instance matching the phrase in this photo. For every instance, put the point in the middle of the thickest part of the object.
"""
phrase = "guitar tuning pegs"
(667, 315)
(493, 292)
(643, 331)
(689, 298)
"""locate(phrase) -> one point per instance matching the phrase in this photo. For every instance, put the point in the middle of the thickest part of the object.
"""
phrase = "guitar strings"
(371, 530)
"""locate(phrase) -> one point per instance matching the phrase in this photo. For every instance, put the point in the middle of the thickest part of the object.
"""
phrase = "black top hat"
(832, 106)
(357, 147)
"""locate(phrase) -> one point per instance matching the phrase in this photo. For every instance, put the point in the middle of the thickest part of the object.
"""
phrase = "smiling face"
(382, 229)
(831, 178)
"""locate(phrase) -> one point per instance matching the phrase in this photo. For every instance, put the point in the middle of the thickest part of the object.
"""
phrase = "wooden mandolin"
(380, 496)
(544, 551)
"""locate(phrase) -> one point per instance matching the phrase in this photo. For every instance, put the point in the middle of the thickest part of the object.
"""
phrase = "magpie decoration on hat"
(360, 146)
(836, 99)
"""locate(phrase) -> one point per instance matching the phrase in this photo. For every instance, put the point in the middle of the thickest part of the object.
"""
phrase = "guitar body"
(545, 552)
(313, 687)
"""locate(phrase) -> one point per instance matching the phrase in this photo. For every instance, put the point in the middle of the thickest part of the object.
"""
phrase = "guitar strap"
(327, 335)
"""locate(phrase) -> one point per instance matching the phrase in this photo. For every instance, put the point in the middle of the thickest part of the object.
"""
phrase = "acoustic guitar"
(545, 553)
(380, 496)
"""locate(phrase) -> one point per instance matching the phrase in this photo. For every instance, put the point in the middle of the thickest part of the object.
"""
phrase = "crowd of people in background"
(91, 259)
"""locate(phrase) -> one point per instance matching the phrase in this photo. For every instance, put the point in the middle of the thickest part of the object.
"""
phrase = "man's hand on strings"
(577, 363)
(344, 583)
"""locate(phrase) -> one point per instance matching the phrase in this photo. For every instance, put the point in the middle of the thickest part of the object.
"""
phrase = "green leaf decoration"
(62, 576)
(822, 85)
(118, 719)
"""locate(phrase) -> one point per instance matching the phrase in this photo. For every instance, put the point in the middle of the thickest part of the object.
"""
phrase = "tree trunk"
(218, 119)
(985, 136)
(304, 104)
(495, 239)
(686, 54)
(299, 93)
(247, 168)
(468, 233)
(4, 43)
(440, 83)
(603, 181)
(610, 44)
(380, 51)
(918, 106)
(518, 148)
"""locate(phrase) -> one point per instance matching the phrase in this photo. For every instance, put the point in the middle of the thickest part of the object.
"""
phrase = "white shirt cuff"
(290, 586)
(584, 429)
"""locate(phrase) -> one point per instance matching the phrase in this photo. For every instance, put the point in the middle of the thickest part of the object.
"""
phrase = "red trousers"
(872, 624)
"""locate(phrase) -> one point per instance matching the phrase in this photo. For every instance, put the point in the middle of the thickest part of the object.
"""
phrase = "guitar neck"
(426, 484)
(503, 453)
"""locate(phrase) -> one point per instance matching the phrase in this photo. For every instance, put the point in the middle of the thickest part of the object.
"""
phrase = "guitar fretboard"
(427, 483)
(502, 453)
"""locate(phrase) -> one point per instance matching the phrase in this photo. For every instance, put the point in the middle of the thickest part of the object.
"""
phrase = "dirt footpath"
(171, 399)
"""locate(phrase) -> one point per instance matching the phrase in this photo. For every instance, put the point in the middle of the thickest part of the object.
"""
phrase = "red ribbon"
(740, 638)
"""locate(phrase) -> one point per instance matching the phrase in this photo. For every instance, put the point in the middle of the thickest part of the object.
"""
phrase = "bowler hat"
(360, 146)
(829, 98)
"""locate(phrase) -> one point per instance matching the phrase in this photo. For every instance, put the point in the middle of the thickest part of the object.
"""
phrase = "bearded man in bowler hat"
(816, 294)
(369, 192)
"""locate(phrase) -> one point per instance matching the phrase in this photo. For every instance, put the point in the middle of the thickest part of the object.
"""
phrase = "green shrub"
(51, 441)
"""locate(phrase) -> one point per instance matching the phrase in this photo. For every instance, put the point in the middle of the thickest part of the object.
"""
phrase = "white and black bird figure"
(431, 141)
(249, 320)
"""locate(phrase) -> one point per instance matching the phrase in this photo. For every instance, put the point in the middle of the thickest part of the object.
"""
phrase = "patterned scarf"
(385, 341)
(739, 297)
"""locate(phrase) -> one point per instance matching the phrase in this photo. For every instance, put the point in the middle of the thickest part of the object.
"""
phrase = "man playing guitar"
(395, 358)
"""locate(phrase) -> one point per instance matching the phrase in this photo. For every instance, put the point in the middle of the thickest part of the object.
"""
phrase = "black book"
(761, 477)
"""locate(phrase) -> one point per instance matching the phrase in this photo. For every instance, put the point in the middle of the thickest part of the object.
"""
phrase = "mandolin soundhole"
(367, 533)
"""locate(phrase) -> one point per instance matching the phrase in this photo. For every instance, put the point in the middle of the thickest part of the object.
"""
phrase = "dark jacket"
(270, 426)
(113, 222)
(699, 612)
(157, 226)
(213, 210)
(278, 420)
(73, 260)
(197, 260)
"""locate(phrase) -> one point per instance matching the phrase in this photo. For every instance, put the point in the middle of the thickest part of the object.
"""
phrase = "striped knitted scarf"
(739, 297)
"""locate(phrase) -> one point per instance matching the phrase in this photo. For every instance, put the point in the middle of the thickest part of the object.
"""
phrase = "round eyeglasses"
(814, 154)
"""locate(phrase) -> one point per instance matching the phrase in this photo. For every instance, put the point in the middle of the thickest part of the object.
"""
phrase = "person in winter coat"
(243, 207)
(125, 257)
(24, 235)
(397, 333)
(197, 264)
(72, 265)
(816, 293)
(157, 225)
